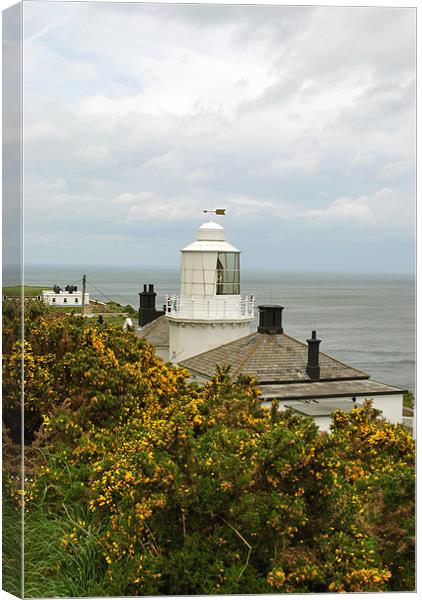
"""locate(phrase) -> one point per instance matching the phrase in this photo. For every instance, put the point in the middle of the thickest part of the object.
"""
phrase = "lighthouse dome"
(211, 237)
(211, 231)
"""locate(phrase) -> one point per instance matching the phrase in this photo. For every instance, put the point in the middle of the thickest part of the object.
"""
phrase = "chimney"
(270, 318)
(312, 368)
(147, 310)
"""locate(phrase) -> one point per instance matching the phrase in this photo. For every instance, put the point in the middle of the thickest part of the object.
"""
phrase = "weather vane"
(216, 211)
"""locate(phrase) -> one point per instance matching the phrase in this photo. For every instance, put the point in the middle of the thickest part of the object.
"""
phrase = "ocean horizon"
(366, 320)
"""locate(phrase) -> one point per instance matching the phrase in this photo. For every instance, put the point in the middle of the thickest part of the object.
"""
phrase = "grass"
(28, 290)
(113, 307)
(12, 548)
(114, 319)
(68, 309)
(50, 569)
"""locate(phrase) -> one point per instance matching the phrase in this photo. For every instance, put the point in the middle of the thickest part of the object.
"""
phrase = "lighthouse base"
(188, 338)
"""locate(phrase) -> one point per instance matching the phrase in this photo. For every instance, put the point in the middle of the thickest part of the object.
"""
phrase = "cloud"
(146, 206)
(385, 208)
(342, 208)
(302, 161)
(95, 154)
(299, 116)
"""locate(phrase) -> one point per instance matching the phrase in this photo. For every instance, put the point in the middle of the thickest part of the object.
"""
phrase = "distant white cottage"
(67, 297)
(207, 326)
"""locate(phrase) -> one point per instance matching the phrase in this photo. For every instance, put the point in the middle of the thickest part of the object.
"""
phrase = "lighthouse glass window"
(228, 273)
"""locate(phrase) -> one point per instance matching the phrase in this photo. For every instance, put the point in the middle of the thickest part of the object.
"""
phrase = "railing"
(409, 423)
(216, 307)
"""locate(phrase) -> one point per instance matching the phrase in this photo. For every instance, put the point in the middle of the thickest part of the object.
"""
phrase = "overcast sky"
(299, 121)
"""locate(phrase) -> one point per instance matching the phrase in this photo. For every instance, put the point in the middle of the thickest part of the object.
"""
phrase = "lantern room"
(210, 265)
(209, 310)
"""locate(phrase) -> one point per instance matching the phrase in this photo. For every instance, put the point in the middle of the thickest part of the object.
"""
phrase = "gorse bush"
(159, 486)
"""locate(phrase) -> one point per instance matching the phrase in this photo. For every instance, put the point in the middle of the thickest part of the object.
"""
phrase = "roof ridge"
(393, 386)
(339, 362)
(152, 324)
(344, 364)
(255, 346)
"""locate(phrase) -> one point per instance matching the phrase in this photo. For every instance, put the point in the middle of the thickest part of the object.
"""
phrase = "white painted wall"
(391, 406)
(323, 423)
(189, 338)
(163, 353)
(64, 298)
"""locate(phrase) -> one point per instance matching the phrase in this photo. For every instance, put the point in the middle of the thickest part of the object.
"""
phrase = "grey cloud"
(260, 108)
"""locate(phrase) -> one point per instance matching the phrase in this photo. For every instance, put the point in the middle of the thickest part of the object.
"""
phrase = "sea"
(364, 320)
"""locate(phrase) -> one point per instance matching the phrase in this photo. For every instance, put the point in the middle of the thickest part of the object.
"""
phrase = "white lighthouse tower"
(210, 310)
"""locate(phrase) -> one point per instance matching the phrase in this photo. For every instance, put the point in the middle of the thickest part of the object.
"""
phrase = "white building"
(207, 326)
(210, 310)
(59, 297)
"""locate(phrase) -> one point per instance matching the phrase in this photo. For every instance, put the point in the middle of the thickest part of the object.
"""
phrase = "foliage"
(409, 399)
(113, 308)
(130, 311)
(158, 486)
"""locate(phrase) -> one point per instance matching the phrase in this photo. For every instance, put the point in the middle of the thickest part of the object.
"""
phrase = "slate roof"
(327, 389)
(156, 332)
(270, 358)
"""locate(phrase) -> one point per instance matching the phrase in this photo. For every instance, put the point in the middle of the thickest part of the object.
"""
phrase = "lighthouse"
(210, 310)
(207, 326)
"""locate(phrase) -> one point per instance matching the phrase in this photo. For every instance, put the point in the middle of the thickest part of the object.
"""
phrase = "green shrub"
(144, 483)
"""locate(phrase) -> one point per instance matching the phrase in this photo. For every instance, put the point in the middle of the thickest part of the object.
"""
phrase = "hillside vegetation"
(141, 483)
(28, 291)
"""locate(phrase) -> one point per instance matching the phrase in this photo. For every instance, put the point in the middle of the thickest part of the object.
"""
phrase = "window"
(76, 300)
(65, 300)
(53, 299)
(228, 273)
